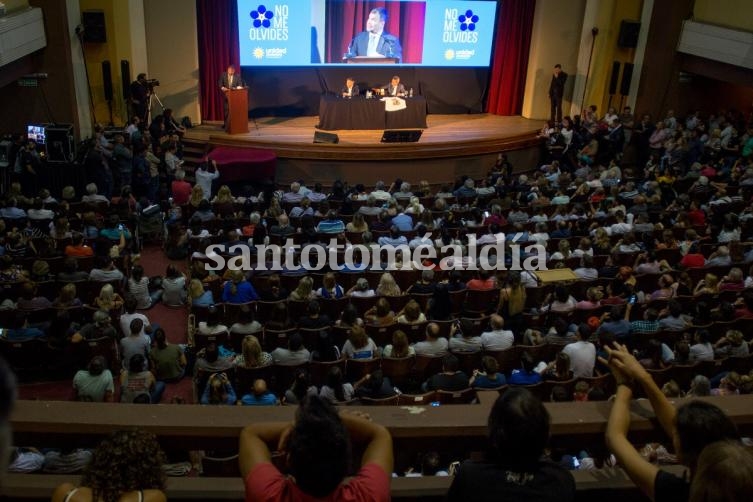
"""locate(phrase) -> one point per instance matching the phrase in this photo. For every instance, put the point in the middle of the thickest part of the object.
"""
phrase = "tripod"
(153, 94)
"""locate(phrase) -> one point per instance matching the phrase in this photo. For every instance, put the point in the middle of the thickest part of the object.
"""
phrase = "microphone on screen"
(350, 54)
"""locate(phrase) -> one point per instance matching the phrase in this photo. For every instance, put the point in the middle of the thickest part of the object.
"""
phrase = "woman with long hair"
(304, 291)
(388, 286)
(252, 355)
(125, 466)
(174, 287)
(336, 390)
(219, 390)
(359, 345)
(168, 360)
(138, 287)
(358, 224)
(198, 296)
(108, 299)
(300, 388)
(238, 289)
(380, 314)
(400, 346)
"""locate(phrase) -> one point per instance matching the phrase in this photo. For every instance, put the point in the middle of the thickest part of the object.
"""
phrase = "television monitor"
(436, 33)
(37, 133)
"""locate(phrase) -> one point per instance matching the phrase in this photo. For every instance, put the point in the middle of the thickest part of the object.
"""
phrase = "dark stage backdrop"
(291, 92)
(296, 91)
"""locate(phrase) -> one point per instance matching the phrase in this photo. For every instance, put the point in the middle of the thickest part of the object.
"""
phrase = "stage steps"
(193, 153)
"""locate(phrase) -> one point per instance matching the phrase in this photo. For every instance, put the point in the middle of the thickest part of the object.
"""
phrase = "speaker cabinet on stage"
(627, 76)
(125, 78)
(401, 135)
(326, 137)
(107, 80)
(628, 37)
(94, 26)
(237, 102)
(60, 145)
(615, 77)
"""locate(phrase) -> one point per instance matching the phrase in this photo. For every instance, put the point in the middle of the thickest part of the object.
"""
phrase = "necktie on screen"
(372, 49)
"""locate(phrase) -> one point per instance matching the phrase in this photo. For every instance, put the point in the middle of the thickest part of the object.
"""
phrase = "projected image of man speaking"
(375, 42)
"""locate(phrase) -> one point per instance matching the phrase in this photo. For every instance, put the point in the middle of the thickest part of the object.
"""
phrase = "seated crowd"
(659, 301)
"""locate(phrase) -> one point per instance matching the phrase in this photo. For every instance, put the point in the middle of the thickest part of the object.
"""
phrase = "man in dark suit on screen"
(230, 80)
(350, 89)
(556, 91)
(375, 42)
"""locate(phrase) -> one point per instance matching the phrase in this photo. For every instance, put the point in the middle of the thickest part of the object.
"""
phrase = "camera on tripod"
(152, 82)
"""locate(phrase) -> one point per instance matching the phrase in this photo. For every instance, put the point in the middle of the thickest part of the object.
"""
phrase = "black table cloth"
(361, 113)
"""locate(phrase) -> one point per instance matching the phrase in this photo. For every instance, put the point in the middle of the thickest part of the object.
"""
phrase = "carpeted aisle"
(172, 320)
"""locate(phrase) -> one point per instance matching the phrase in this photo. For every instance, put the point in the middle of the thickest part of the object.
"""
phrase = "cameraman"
(140, 97)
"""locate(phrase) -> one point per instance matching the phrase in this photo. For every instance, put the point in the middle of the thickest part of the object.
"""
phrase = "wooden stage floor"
(451, 145)
(441, 129)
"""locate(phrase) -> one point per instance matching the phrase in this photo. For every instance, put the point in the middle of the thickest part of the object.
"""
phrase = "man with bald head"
(498, 338)
(434, 345)
(260, 395)
(283, 227)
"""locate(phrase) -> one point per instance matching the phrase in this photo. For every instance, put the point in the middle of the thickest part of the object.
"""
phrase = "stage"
(451, 145)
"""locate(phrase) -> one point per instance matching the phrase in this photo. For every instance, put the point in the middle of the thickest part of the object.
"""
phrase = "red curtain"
(345, 20)
(510, 57)
(217, 22)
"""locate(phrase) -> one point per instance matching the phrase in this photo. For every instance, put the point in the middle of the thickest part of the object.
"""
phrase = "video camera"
(152, 82)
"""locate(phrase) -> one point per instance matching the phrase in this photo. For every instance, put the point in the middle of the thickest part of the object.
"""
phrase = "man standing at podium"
(230, 80)
(375, 42)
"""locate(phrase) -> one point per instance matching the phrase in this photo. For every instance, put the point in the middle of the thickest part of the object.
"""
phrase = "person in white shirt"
(498, 338)
(205, 174)
(172, 162)
(434, 345)
(380, 193)
(582, 353)
(131, 314)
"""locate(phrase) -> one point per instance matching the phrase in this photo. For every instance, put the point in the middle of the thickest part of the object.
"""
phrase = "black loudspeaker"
(94, 26)
(107, 80)
(615, 78)
(401, 136)
(629, 31)
(125, 78)
(59, 143)
(325, 137)
(627, 76)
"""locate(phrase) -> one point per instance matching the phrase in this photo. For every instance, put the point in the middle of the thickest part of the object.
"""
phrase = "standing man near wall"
(556, 91)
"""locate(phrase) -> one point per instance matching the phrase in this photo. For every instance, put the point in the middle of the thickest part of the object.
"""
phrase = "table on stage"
(361, 113)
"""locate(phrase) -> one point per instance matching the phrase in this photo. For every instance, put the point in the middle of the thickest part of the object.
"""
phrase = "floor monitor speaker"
(401, 135)
(325, 137)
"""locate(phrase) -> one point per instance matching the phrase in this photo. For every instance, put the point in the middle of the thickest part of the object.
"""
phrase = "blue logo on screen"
(261, 17)
(468, 21)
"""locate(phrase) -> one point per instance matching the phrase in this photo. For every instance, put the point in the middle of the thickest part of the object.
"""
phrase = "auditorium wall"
(23, 105)
(172, 46)
(11, 5)
(735, 14)
(555, 39)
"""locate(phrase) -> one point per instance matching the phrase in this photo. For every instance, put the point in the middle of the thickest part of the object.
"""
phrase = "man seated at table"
(395, 88)
(350, 88)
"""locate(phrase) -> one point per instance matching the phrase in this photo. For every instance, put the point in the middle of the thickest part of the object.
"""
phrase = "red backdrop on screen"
(345, 20)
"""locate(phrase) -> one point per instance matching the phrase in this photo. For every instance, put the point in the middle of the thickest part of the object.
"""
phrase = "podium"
(237, 116)
(370, 60)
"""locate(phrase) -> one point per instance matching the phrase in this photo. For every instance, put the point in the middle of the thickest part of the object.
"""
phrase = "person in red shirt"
(694, 258)
(696, 216)
(77, 248)
(483, 282)
(316, 449)
(181, 189)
